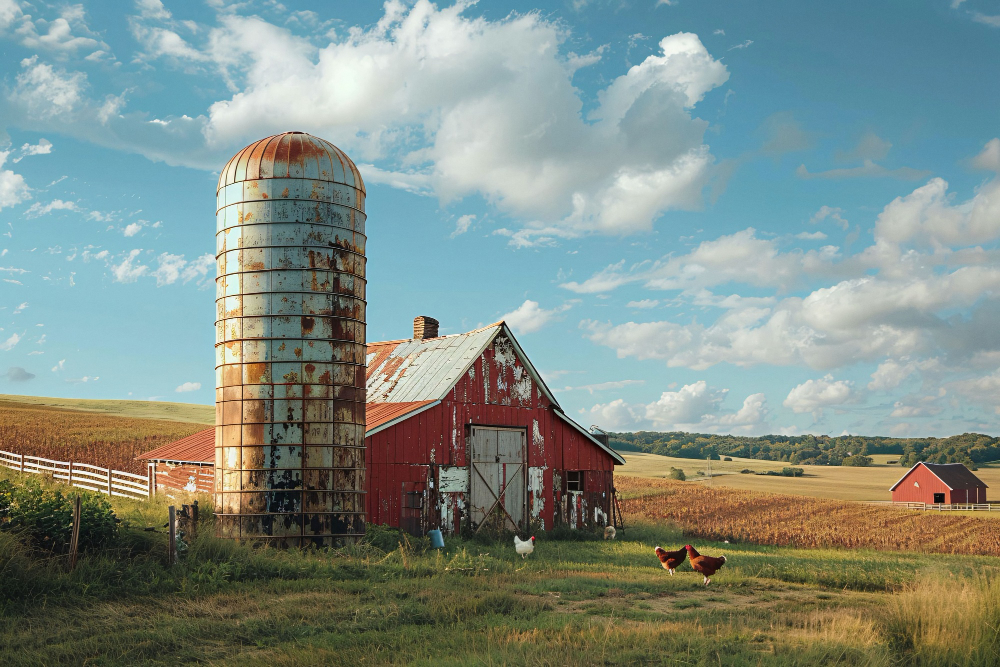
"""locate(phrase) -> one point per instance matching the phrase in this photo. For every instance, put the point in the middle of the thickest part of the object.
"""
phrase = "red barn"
(457, 427)
(462, 426)
(939, 484)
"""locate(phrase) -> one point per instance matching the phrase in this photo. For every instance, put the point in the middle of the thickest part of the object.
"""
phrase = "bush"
(677, 473)
(728, 458)
(44, 517)
(746, 471)
(792, 472)
(858, 461)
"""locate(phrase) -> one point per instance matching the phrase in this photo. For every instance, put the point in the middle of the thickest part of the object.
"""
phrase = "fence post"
(171, 536)
(109, 481)
(74, 541)
(70, 482)
(22, 462)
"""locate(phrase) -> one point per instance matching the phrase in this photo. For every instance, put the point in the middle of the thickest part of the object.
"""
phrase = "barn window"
(574, 480)
(939, 498)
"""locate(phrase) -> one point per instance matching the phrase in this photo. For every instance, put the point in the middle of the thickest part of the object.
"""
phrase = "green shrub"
(677, 473)
(792, 472)
(43, 518)
(728, 458)
(746, 471)
(859, 461)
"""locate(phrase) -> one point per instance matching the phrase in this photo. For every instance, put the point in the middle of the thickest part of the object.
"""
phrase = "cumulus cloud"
(742, 257)
(693, 407)
(815, 395)
(462, 225)
(461, 82)
(989, 158)
(529, 317)
(13, 188)
(45, 91)
(927, 217)
(188, 386)
(18, 374)
(63, 36)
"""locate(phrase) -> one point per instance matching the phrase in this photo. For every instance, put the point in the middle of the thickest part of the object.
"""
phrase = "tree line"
(968, 448)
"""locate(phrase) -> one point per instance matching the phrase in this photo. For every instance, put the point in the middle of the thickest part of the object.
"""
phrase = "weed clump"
(43, 517)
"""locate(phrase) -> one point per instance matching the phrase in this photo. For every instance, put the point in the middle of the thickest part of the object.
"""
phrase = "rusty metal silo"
(290, 344)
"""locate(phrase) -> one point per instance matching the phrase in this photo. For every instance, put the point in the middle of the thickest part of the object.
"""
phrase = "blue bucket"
(437, 540)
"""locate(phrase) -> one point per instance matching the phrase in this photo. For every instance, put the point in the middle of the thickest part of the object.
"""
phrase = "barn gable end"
(939, 483)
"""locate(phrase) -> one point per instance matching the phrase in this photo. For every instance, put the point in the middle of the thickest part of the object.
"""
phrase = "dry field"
(177, 412)
(85, 437)
(784, 520)
(835, 482)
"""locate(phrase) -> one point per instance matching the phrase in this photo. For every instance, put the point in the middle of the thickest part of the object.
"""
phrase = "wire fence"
(81, 475)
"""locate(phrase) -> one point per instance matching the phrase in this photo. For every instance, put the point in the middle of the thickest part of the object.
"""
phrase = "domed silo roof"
(292, 155)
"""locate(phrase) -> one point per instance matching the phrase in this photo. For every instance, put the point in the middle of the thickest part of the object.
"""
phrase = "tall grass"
(947, 620)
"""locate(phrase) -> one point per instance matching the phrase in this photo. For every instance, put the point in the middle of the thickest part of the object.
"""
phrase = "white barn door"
(498, 474)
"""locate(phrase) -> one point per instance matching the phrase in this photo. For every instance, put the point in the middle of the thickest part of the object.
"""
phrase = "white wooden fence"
(938, 507)
(82, 475)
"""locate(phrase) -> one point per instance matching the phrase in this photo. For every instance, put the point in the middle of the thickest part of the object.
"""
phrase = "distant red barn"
(457, 427)
(939, 483)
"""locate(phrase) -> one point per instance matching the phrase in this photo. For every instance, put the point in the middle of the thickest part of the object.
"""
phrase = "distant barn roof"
(954, 475)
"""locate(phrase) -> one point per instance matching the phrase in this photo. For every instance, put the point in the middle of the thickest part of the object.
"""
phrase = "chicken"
(706, 565)
(670, 559)
(524, 547)
(610, 532)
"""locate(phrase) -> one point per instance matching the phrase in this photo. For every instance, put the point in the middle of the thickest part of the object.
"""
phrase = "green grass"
(179, 412)
(571, 602)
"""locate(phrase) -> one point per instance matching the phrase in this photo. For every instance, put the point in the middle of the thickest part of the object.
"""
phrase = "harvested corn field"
(85, 437)
(784, 520)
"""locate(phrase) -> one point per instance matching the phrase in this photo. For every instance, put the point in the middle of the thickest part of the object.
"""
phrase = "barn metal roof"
(380, 416)
(954, 476)
(426, 369)
(196, 448)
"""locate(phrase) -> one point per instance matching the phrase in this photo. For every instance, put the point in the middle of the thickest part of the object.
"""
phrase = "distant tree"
(678, 474)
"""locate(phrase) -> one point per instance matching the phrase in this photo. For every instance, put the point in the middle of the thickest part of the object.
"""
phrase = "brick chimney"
(425, 327)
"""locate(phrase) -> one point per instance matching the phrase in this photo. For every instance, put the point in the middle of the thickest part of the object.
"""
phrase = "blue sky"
(710, 216)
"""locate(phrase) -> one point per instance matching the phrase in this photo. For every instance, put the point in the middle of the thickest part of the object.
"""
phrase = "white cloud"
(462, 225)
(13, 188)
(461, 82)
(742, 45)
(9, 344)
(132, 229)
(693, 407)
(129, 270)
(38, 209)
(188, 386)
(46, 92)
(811, 236)
(58, 35)
(927, 217)
(643, 304)
(530, 317)
(868, 169)
(59, 366)
(986, 19)
(174, 267)
(834, 214)
(43, 147)
(989, 157)
(20, 309)
(893, 372)
(85, 378)
(816, 395)
(604, 386)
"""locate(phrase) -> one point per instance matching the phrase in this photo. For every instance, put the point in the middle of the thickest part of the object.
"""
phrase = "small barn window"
(574, 480)
(938, 498)
(916, 484)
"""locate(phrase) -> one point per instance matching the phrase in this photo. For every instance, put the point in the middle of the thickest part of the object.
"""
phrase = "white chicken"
(524, 547)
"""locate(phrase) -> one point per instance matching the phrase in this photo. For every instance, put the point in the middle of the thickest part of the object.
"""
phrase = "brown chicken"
(707, 565)
(670, 559)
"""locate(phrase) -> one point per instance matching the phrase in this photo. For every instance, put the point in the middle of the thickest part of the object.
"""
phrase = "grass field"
(177, 412)
(837, 482)
(392, 601)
